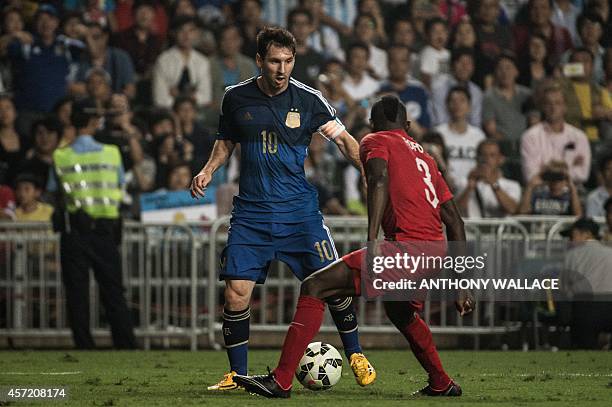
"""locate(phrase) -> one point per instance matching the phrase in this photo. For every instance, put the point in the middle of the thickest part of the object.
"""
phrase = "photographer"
(551, 193)
(88, 176)
(488, 194)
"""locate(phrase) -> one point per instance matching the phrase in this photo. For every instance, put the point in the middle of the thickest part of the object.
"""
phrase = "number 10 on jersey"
(269, 141)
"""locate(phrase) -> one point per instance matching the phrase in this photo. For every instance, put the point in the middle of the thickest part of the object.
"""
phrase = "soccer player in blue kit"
(276, 213)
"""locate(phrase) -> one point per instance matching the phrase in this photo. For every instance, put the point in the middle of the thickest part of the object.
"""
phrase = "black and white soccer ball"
(320, 368)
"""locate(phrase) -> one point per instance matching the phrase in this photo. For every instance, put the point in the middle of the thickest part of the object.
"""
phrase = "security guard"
(89, 176)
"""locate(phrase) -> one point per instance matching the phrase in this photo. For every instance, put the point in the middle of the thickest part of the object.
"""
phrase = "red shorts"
(356, 261)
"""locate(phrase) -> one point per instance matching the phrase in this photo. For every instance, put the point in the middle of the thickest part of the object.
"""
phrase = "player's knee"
(236, 299)
(310, 288)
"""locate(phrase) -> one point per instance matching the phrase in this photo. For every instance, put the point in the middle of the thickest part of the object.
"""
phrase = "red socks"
(306, 323)
(422, 345)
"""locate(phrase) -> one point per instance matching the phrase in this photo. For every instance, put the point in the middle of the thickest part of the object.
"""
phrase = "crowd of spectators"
(511, 97)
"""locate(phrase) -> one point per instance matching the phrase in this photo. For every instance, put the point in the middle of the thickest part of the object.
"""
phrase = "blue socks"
(343, 314)
(236, 338)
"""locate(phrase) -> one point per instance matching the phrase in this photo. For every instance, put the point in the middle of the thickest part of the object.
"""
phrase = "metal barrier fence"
(170, 275)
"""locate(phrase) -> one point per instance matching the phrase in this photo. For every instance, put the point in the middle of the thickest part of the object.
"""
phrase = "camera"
(552, 176)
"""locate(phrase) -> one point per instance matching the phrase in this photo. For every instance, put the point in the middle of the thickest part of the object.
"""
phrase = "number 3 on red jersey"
(430, 192)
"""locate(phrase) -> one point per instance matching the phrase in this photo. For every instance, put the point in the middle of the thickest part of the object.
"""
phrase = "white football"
(320, 368)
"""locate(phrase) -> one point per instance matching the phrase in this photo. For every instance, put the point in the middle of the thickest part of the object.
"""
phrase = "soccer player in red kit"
(409, 198)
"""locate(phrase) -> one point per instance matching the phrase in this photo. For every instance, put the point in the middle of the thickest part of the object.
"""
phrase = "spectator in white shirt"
(461, 138)
(488, 193)
(358, 83)
(181, 70)
(554, 139)
(434, 57)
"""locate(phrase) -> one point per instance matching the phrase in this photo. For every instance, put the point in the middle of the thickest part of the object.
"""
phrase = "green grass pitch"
(177, 378)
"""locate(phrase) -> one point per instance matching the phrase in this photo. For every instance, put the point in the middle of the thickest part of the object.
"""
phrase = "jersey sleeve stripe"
(228, 88)
(315, 92)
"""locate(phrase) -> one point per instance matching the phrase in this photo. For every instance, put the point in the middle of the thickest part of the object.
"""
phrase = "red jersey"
(416, 187)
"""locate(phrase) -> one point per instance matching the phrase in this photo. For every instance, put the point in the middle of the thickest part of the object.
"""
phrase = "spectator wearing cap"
(88, 177)
(114, 61)
(504, 105)
(558, 39)
(589, 106)
(607, 237)
(586, 281)
(28, 189)
(554, 139)
(46, 134)
(41, 64)
(462, 71)
(181, 70)
(596, 199)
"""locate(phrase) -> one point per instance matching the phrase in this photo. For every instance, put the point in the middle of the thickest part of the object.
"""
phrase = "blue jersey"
(274, 133)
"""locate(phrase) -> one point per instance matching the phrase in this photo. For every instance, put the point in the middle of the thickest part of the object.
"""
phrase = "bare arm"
(455, 232)
(222, 150)
(350, 149)
(378, 194)
(576, 205)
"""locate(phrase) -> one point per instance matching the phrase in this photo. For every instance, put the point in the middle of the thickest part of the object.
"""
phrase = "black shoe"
(453, 390)
(264, 385)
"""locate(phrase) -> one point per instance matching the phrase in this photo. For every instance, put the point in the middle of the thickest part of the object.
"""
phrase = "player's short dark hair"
(584, 50)
(277, 36)
(429, 24)
(458, 53)
(297, 11)
(588, 16)
(388, 109)
(357, 44)
(458, 89)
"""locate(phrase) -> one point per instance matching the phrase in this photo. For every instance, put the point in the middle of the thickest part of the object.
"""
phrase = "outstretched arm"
(222, 150)
(334, 130)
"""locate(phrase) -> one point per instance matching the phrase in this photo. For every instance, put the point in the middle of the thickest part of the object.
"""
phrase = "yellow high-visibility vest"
(90, 180)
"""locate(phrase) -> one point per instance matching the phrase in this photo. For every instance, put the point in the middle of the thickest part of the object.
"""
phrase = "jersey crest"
(293, 119)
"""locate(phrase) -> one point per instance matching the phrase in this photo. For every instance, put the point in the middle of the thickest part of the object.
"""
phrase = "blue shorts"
(251, 246)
